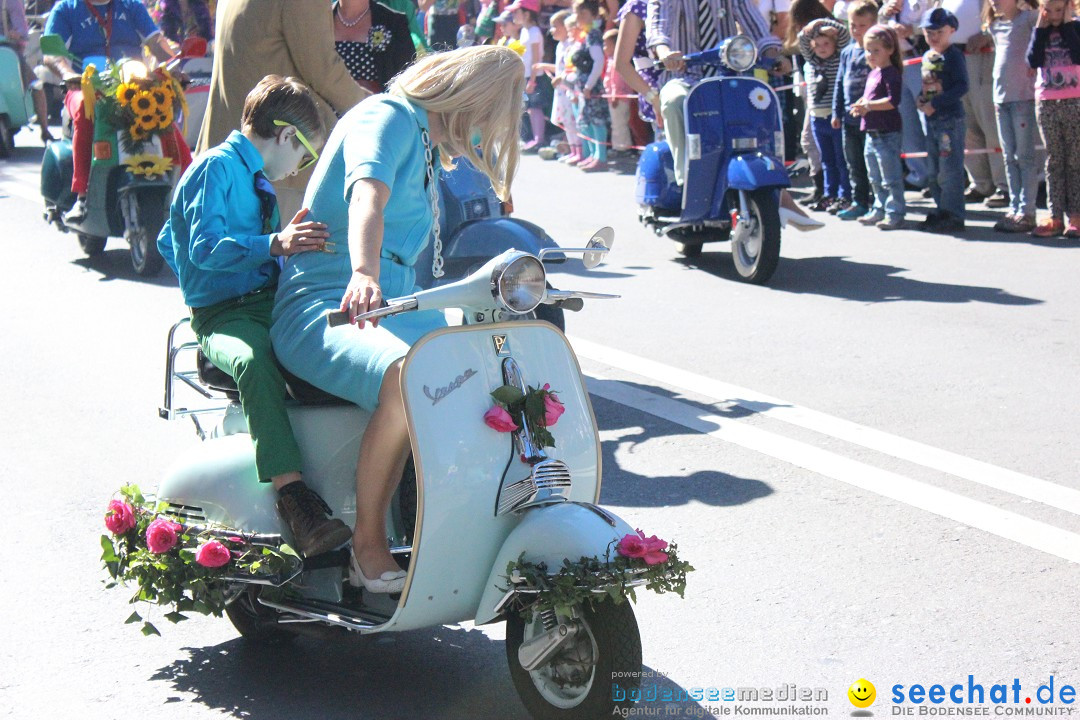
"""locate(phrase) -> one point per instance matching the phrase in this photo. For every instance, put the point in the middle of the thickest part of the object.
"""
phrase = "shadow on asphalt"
(624, 488)
(446, 673)
(115, 264)
(864, 282)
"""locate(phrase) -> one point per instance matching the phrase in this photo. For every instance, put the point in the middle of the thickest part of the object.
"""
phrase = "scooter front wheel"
(755, 240)
(256, 622)
(577, 683)
(150, 210)
(7, 138)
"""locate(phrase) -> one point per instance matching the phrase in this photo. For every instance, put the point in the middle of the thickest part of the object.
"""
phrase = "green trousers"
(235, 336)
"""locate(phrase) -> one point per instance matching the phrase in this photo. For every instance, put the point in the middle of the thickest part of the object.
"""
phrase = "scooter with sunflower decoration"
(138, 154)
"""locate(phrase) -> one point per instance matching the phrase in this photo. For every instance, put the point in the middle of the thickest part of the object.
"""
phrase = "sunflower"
(143, 103)
(138, 134)
(148, 165)
(160, 98)
(126, 93)
(164, 118)
(147, 121)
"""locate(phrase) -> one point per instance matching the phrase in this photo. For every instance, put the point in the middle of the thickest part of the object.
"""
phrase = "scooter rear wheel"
(257, 623)
(7, 138)
(91, 244)
(577, 683)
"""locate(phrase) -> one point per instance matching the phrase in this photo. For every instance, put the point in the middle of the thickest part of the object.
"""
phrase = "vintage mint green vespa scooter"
(16, 102)
(503, 494)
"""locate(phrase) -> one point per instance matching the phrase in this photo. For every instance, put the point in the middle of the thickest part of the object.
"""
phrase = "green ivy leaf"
(200, 607)
(133, 618)
(108, 550)
(175, 617)
(148, 629)
(507, 395)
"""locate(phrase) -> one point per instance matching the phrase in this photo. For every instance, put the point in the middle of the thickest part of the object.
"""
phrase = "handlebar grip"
(337, 317)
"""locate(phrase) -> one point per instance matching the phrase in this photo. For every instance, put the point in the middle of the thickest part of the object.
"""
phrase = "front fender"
(750, 172)
(551, 534)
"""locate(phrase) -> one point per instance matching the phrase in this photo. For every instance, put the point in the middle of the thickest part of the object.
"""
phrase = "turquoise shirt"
(213, 239)
(378, 139)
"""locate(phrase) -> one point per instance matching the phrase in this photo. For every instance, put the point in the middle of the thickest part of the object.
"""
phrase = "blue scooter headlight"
(739, 53)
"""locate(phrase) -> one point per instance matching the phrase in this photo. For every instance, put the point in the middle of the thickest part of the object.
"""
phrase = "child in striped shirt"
(820, 43)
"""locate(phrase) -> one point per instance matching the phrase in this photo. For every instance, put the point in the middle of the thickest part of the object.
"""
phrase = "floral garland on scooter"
(637, 559)
(170, 563)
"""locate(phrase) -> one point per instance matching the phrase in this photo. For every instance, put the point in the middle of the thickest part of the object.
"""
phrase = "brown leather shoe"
(308, 518)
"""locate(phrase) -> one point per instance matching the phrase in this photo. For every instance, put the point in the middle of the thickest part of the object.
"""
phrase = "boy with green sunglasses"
(222, 239)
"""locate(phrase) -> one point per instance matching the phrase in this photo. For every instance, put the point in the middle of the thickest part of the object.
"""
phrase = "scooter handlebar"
(390, 307)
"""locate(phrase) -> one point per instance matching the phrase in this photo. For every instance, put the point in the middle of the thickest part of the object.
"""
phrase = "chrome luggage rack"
(190, 378)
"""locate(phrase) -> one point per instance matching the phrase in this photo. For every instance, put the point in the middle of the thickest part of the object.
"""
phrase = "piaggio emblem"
(502, 345)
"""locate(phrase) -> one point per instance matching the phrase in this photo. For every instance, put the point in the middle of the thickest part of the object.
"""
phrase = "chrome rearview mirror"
(593, 253)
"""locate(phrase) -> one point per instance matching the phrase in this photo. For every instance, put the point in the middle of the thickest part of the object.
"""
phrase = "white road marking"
(976, 471)
(1003, 523)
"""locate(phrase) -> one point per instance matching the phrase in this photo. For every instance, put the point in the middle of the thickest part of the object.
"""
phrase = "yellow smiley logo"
(862, 693)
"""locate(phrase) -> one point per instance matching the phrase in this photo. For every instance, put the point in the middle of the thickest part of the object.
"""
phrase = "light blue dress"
(380, 139)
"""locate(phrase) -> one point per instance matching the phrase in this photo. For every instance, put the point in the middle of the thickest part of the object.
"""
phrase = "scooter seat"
(303, 392)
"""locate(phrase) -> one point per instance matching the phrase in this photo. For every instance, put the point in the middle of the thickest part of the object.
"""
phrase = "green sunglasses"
(303, 141)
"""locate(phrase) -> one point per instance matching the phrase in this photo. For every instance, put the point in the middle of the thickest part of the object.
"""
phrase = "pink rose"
(212, 554)
(498, 419)
(552, 407)
(632, 546)
(161, 535)
(654, 548)
(120, 517)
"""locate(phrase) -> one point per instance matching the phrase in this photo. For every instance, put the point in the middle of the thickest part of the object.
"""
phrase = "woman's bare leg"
(383, 454)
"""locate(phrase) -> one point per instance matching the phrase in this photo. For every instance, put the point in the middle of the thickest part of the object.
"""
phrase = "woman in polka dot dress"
(373, 40)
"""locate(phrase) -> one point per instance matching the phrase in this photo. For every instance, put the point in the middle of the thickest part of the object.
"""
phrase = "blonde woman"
(374, 189)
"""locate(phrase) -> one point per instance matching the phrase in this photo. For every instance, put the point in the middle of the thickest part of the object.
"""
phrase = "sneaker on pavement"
(853, 212)
(839, 205)
(999, 199)
(308, 518)
(823, 204)
(77, 213)
(890, 223)
(974, 196)
(947, 224)
(548, 153)
(1048, 228)
(932, 217)
(872, 218)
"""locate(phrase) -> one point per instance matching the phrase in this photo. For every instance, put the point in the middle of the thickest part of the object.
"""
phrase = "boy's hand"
(298, 236)
(1044, 19)
(836, 123)
(859, 108)
(926, 108)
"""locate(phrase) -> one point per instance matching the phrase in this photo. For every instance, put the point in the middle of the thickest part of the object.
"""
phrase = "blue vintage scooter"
(734, 166)
(476, 226)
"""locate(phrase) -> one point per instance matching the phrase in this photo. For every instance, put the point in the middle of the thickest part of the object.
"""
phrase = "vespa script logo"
(442, 392)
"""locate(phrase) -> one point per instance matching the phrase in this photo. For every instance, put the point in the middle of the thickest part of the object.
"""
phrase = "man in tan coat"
(294, 38)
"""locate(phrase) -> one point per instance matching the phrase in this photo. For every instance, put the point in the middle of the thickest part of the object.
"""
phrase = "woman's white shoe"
(799, 221)
(391, 581)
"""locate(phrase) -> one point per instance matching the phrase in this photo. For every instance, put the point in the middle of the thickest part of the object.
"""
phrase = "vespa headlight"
(739, 53)
(133, 70)
(520, 284)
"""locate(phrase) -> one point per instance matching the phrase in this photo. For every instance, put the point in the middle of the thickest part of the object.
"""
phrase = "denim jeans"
(855, 155)
(886, 172)
(945, 158)
(914, 126)
(831, 145)
(1017, 129)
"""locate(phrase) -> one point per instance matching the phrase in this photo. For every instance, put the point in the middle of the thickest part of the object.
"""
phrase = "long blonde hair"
(473, 89)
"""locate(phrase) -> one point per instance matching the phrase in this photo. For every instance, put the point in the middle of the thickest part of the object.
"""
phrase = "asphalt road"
(871, 462)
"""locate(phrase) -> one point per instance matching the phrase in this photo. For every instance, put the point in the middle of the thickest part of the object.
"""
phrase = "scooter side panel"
(218, 476)
(57, 168)
(460, 462)
(550, 534)
(15, 102)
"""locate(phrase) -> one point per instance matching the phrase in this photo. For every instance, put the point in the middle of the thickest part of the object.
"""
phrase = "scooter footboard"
(551, 534)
